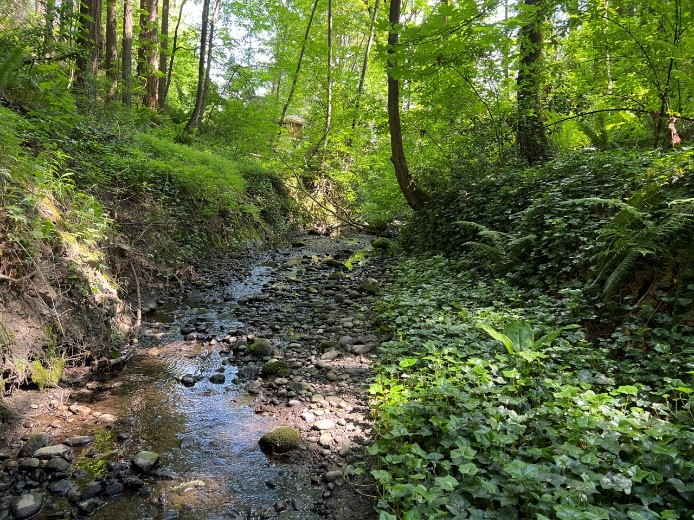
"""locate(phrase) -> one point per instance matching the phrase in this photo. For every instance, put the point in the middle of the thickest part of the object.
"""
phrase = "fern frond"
(622, 272)
(10, 64)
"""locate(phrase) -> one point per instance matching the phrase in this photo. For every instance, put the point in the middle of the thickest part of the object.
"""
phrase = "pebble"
(324, 424)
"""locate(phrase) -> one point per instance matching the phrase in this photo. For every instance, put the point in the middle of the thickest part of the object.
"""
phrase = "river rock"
(360, 350)
(60, 487)
(281, 440)
(323, 424)
(80, 440)
(325, 440)
(57, 450)
(29, 464)
(57, 465)
(26, 505)
(91, 506)
(261, 347)
(35, 442)
(145, 461)
(332, 476)
(217, 379)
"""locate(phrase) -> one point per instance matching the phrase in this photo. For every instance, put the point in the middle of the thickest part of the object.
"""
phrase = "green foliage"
(49, 376)
(547, 428)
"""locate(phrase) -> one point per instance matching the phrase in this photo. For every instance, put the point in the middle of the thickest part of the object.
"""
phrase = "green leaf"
(503, 338)
(447, 483)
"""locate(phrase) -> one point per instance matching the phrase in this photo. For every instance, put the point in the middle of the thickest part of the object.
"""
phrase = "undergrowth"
(476, 418)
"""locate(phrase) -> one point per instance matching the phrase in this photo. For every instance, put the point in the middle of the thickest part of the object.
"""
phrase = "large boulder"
(261, 347)
(35, 442)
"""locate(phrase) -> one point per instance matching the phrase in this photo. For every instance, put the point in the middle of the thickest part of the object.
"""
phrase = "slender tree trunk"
(298, 63)
(111, 58)
(415, 197)
(127, 53)
(164, 51)
(365, 63)
(88, 41)
(329, 88)
(174, 48)
(151, 54)
(531, 137)
(49, 19)
(194, 121)
(210, 48)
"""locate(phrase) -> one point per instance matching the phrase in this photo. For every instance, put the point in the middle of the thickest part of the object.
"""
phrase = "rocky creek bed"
(274, 345)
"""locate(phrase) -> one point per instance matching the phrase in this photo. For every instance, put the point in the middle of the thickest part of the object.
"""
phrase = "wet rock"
(281, 440)
(91, 506)
(92, 490)
(187, 442)
(217, 379)
(60, 487)
(188, 380)
(132, 482)
(26, 505)
(57, 450)
(323, 424)
(79, 441)
(280, 505)
(145, 461)
(114, 489)
(35, 442)
(163, 474)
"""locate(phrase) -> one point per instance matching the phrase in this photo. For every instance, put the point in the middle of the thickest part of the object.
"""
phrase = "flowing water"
(206, 434)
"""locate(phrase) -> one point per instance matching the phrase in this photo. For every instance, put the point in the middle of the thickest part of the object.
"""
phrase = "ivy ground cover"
(491, 403)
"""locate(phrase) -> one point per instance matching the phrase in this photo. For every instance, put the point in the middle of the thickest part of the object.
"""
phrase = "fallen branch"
(108, 364)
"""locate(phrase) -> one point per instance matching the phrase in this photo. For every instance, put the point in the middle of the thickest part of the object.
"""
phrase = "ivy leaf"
(447, 483)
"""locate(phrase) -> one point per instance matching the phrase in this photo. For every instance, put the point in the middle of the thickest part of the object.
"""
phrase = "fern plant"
(634, 234)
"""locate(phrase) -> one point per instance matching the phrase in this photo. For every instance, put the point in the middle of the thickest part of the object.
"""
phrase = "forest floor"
(257, 340)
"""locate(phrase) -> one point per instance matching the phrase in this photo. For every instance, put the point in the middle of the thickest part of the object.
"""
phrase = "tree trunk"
(127, 54)
(174, 48)
(88, 41)
(415, 197)
(298, 64)
(329, 89)
(210, 48)
(49, 19)
(365, 63)
(531, 137)
(150, 30)
(111, 58)
(195, 117)
(164, 51)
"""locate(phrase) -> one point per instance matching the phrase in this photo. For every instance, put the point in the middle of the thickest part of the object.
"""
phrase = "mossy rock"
(369, 287)
(328, 344)
(281, 440)
(260, 347)
(331, 262)
(275, 369)
(335, 276)
(382, 244)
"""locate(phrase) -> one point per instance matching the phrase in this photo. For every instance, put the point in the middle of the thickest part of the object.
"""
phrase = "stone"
(26, 505)
(114, 489)
(35, 442)
(323, 424)
(381, 243)
(281, 440)
(325, 440)
(91, 506)
(188, 380)
(345, 341)
(308, 417)
(145, 461)
(260, 347)
(217, 379)
(29, 464)
(332, 476)
(57, 450)
(275, 368)
(91, 490)
(330, 355)
(369, 286)
(57, 465)
(360, 350)
(80, 440)
(60, 487)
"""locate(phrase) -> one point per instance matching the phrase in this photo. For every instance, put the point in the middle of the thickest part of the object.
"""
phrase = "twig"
(10, 280)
